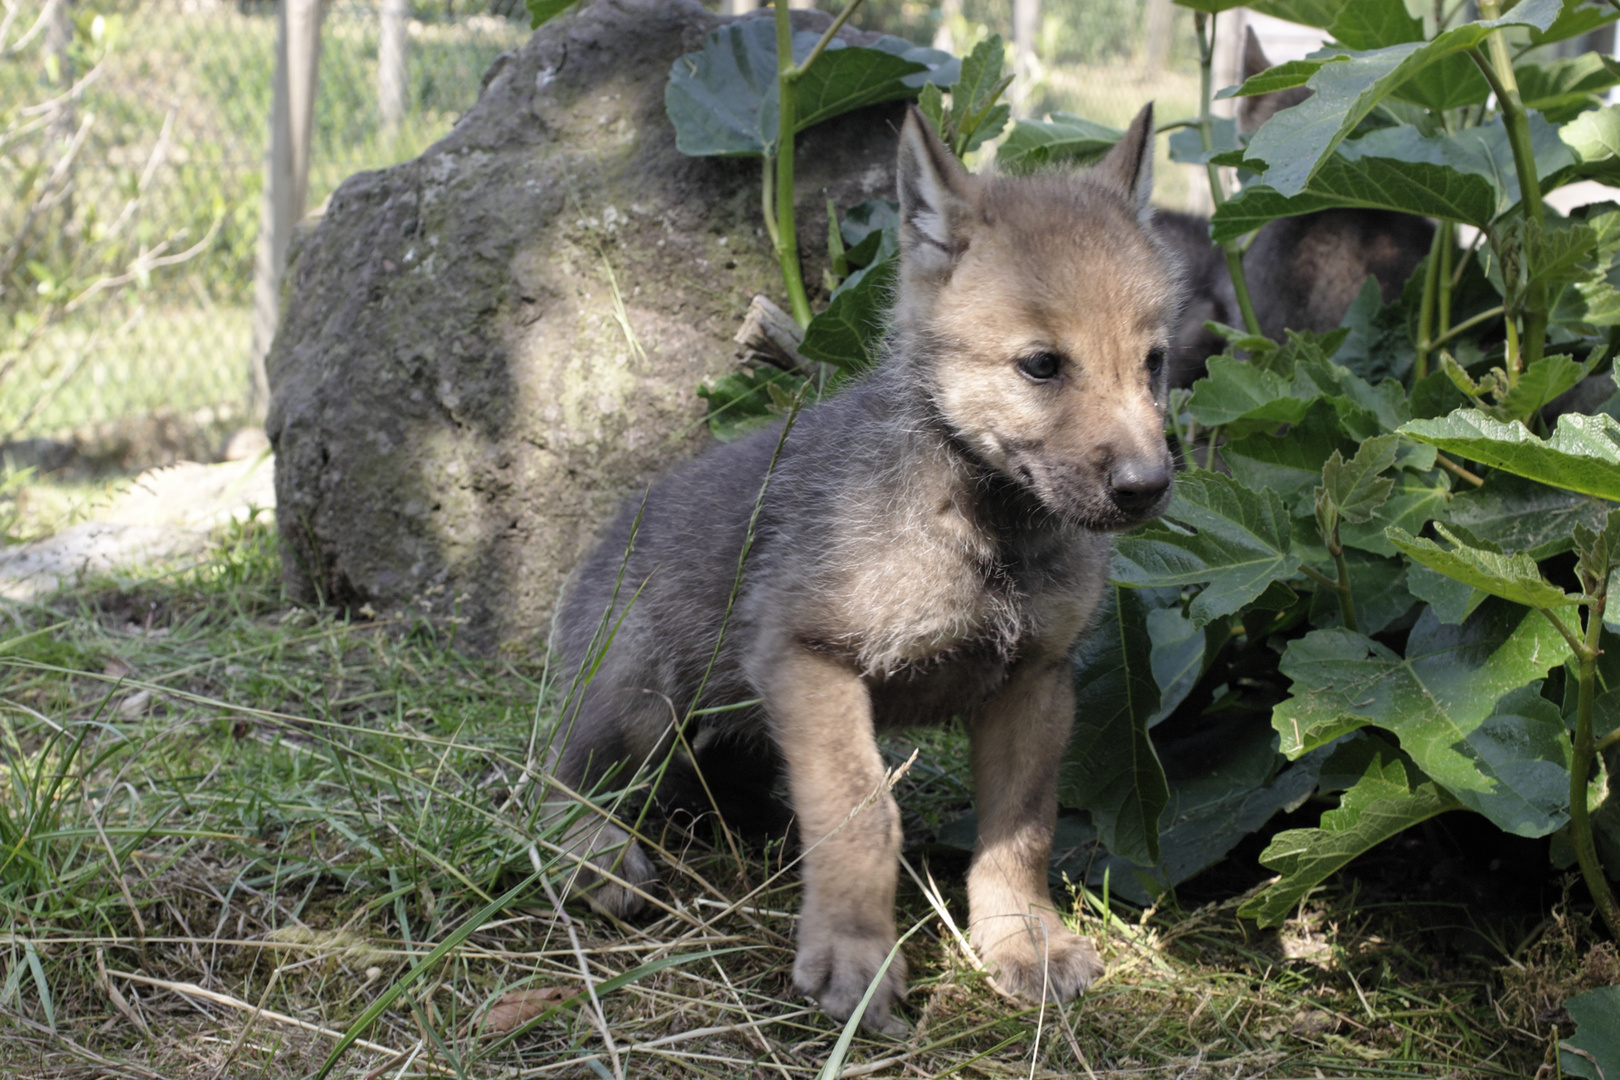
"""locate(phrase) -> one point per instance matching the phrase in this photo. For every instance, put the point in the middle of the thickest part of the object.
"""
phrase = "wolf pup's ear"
(1128, 168)
(1254, 57)
(936, 201)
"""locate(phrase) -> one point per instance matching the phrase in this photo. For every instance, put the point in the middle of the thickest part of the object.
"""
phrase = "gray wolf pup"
(1304, 272)
(931, 543)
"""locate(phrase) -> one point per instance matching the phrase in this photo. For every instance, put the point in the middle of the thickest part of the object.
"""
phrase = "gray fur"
(913, 560)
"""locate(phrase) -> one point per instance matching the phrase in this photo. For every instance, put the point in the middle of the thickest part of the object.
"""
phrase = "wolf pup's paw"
(1028, 962)
(612, 850)
(836, 969)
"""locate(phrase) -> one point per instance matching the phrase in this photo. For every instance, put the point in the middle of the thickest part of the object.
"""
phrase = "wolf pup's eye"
(1155, 361)
(1040, 366)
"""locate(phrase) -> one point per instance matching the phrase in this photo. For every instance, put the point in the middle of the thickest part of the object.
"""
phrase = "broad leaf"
(1450, 600)
(1431, 699)
(1236, 390)
(849, 334)
(1374, 183)
(1594, 1050)
(1563, 89)
(1291, 466)
(1177, 657)
(1477, 151)
(1295, 143)
(722, 99)
(1512, 577)
(1218, 533)
(1372, 24)
(1594, 136)
(1187, 145)
(1237, 788)
(1414, 502)
(1111, 769)
(1384, 802)
(1575, 17)
(1583, 454)
(1358, 487)
(1523, 746)
(740, 401)
(1062, 137)
(1521, 515)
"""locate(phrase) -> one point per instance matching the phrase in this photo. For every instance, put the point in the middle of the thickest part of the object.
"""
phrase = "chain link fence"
(132, 146)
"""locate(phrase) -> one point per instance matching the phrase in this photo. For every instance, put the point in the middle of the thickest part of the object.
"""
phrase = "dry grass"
(229, 826)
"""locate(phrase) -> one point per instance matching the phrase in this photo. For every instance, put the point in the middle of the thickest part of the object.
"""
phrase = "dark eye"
(1155, 361)
(1041, 366)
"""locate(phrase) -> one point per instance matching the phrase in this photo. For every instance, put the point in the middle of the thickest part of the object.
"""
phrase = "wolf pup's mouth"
(1128, 493)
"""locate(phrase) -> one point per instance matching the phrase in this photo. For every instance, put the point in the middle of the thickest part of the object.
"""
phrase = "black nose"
(1137, 484)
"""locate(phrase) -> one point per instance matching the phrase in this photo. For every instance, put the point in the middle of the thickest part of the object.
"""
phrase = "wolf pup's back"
(930, 543)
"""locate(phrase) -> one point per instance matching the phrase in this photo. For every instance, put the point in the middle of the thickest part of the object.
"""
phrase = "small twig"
(45, 16)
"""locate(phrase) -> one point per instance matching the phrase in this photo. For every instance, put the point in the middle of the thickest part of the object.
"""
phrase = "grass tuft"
(235, 833)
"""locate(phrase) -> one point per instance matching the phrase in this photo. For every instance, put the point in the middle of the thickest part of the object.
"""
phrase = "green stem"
(1448, 249)
(1580, 825)
(1498, 72)
(1318, 577)
(1206, 136)
(1466, 325)
(1347, 603)
(1431, 289)
(787, 243)
(767, 201)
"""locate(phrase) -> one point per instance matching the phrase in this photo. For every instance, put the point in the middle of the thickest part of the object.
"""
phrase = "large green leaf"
(1177, 657)
(1596, 1043)
(1583, 454)
(723, 99)
(1415, 501)
(1524, 747)
(1521, 515)
(1477, 151)
(1384, 802)
(1290, 466)
(1062, 137)
(1431, 699)
(1575, 17)
(1295, 143)
(1218, 533)
(1594, 136)
(1236, 390)
(1374, 183)
(1513, 577)
(1452, 601)
(849, 334)
(1373, 24)
(1239, 785)
(1111, 769)
(1563, 89)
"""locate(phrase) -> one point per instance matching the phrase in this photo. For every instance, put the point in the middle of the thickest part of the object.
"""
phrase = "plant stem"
(787, 239)
(1457, 470)
(1498, 72)
(1431, 287)
(1466, 325)
(1347, 603)
(1206, 137)
(1448, 249)
(1580, 825)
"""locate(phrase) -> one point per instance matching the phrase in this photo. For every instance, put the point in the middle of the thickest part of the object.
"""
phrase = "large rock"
(486, 349)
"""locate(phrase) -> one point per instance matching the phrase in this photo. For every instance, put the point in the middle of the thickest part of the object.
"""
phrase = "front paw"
(836, 968)
(1032, 959)
(610, 849)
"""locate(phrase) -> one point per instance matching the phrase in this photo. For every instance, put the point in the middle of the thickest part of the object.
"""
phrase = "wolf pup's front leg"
(1018, 739)
(821, 714)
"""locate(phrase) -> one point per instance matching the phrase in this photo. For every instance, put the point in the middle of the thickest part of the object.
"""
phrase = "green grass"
(207, 791)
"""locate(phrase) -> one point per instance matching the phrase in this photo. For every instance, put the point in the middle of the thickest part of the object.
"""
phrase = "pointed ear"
(1254, 57)
(936, 201)
(1128, 167)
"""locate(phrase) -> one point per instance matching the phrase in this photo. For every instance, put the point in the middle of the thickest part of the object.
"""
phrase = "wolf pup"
(931, 543)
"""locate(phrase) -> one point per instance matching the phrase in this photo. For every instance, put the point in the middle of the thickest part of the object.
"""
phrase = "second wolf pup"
(931, 543)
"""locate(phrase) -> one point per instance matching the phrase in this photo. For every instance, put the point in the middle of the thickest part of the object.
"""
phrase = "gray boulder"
(487, 349)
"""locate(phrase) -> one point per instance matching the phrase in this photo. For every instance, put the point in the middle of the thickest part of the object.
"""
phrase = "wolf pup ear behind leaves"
(931, 542)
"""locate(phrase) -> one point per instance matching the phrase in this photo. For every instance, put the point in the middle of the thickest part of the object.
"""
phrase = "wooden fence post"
(393, 86)
(286, 175)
